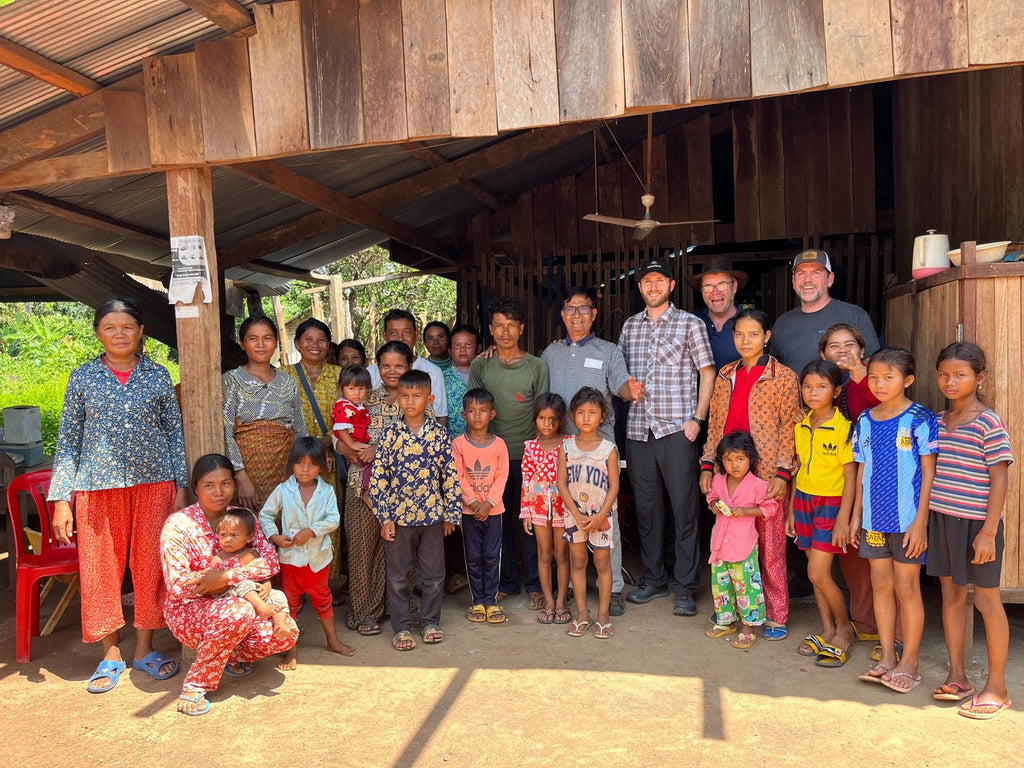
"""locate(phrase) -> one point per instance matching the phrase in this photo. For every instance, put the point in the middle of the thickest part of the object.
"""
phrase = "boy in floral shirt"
(415, 493)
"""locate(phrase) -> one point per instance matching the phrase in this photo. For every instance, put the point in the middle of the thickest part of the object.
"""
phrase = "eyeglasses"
(570, 311)
(721, 287)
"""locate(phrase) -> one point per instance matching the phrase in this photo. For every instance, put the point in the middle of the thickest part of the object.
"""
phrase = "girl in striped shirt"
(966, 536)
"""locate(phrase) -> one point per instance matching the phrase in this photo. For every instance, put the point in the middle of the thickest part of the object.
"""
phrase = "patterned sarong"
(264, 446)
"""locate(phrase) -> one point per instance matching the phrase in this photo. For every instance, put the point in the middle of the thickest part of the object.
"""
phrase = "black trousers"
(659, 467)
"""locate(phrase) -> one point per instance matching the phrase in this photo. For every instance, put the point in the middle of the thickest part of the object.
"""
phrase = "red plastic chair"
(52, 559)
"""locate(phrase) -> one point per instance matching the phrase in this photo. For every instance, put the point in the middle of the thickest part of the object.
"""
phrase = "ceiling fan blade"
(641, 233)
(611, 220)
(681, 223)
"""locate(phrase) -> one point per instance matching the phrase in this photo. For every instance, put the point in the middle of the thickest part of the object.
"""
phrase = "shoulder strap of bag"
(312, 400)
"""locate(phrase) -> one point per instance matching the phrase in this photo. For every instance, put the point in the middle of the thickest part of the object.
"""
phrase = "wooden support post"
(318, 307)
(339, 308)
(284, 343)
(190, 209)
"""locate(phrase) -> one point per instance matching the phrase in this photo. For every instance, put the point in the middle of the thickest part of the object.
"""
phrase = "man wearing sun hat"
(668, 355)
(795, 334)
(718, 284)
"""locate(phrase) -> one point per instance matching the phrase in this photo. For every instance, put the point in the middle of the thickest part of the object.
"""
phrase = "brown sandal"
(545, 616)
(536, 601)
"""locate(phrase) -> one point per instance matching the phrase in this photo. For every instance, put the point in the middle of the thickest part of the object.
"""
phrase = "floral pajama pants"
(771, 540)
(736, 589)
(222, 630)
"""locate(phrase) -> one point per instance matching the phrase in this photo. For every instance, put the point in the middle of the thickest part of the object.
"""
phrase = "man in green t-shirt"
(516, 379)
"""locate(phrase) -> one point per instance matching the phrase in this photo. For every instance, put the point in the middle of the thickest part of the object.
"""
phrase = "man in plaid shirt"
(668, 353)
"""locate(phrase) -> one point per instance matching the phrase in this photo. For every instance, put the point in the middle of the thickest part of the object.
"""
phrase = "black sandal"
(368, 628)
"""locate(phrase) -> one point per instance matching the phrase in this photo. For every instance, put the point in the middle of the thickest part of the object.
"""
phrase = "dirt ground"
(657, 694)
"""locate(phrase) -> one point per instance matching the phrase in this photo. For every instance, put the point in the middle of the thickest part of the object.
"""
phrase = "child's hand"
(302, 536)
(264, 590)
(984, 549)
(482, 511)
(791, 527)
(841, 534)
(915, 540)
(281, 540)
(528, 525)
(448, 528)
(705, 482)
(387, 531)
(366, 454)
(777, 488)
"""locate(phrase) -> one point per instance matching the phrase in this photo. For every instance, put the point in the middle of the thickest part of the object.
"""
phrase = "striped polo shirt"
(966, 453)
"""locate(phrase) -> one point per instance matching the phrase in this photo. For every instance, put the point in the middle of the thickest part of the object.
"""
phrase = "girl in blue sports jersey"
(894, 445)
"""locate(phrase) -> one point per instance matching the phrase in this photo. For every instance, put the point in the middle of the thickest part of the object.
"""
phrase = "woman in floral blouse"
(227, 634)
(262, 415)
(121, 456)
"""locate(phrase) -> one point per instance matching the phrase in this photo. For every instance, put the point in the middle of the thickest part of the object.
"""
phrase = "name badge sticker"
(591, 362)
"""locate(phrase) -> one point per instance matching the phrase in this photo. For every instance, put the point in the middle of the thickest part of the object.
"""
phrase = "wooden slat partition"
(588, 48)
(655, 52)
(858, 40)
(330, 29)
(525, 69)
(225, 93)
(928, 42)
(787, 46)
(382, 63)
(172, 113)
(276, 67)
(425, 43)
(995, 28)
(719, 49)
(471, 68)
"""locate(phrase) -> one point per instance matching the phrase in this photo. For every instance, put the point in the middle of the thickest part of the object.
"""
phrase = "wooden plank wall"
(926, 321)
(333, 73)
(959, 171)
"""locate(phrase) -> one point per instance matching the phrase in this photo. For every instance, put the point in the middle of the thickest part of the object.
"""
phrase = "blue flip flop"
(107, 669)
(247, 667)
(199, 696)
(775, 631)
(152, 663)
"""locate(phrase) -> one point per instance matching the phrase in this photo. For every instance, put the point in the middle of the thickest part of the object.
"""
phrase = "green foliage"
(40, 344)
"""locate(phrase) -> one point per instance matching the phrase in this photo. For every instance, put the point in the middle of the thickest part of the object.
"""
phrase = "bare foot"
(289, 661)
(340, 647)
(282, 628)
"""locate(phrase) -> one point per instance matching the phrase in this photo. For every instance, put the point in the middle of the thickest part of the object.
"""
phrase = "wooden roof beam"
(60, 128)
(229, 15)
(30, 63)
(288, 182)
(62, 210)
(65, 169)
(264, 267)
(33, 261)
(422, 151)
(492, 158)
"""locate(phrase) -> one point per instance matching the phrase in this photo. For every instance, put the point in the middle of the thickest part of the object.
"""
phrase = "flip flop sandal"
(403, 641)
(246, 667)
(970, 710)
(107, 669)
(952, 692)
(198, 697)
(602, 631)
(152, 663)
(477, 614)
(563, 616)
(536, 601)
(915, 680)
(831, 656)
(579, 629)
(495, 615)
(743, 641)
(368, 628)
(867, 677)
(859, 636)
(876, 653)
(775, 631)
(814, 642)
(546, 617)
(716, 631)
(432, 634)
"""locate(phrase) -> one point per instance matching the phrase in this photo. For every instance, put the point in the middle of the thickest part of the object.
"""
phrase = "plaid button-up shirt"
(666, 355)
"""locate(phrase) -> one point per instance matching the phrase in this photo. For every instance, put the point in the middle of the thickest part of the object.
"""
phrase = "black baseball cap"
(655, 265)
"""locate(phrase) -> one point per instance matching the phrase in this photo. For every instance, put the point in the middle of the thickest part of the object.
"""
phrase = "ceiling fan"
(644, 226)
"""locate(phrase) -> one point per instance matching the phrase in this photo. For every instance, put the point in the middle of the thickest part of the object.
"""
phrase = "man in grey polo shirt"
(583, 360)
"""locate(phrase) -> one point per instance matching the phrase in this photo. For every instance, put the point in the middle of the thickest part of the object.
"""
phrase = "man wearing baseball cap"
(796, 333)
(668, 355)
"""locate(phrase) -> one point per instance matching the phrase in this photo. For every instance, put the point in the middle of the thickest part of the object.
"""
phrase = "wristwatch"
(702, 423)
